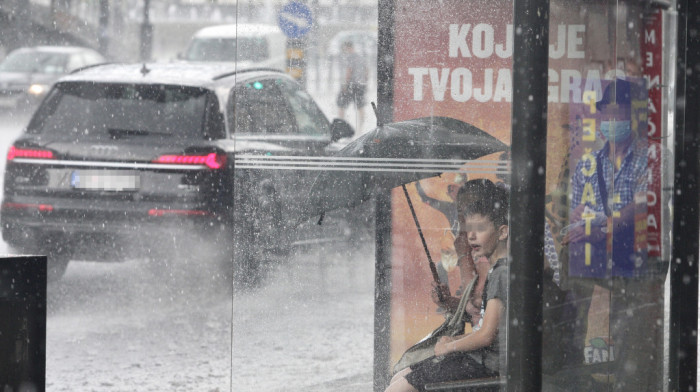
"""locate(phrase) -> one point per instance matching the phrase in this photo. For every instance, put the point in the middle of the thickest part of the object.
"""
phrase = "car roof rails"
(244, 70)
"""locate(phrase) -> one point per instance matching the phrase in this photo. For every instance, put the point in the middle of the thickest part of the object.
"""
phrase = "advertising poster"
(453, 59)
(616, 242)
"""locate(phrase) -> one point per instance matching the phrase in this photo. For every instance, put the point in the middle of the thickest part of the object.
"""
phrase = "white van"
(248, 44)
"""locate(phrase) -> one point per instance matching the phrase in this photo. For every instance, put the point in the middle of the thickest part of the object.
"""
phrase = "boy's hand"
(442, 346)
(439, 291)
(474, 311)
(462, 245)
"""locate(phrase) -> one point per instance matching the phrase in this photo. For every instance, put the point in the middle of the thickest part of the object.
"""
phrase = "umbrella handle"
(380, 123)
(433, 269)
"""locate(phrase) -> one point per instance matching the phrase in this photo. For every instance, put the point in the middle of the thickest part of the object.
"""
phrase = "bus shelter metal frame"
(529, 155)
(529, 152)
(683, 330)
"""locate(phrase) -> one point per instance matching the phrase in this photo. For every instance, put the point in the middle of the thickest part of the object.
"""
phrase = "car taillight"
(213, 160)
(15, 152)
(27, 206)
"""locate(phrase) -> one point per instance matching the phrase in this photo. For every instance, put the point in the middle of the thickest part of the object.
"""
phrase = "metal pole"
(146, 33)
(22, 34)
(529, 154)
(382, 292)
(385, 62)
(384, 113)
(684, 262)
(316, 44)
(103, 27)
(23, 324)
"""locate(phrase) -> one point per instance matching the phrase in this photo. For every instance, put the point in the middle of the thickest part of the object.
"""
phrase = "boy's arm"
(477, 339)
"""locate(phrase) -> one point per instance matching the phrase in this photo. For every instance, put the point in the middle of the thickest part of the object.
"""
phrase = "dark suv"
(122, 161)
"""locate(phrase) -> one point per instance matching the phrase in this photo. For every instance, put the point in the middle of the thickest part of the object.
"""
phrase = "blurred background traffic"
(164, 31)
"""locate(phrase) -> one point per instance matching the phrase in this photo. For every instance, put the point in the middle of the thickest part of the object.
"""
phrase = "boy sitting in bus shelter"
(477, 354)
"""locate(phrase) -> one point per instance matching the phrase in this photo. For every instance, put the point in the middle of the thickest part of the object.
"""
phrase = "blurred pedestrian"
(354, 74)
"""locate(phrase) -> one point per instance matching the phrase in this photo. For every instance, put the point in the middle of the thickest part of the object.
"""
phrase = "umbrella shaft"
(433, 269)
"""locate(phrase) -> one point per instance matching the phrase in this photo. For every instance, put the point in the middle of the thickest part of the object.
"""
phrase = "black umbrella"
(395, 154)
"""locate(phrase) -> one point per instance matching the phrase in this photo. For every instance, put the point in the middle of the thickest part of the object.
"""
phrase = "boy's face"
(483, 235)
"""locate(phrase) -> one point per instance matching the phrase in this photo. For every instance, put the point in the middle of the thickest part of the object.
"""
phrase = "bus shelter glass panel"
(607, 225)
(608, 179)
(302, 243)
(452, 82)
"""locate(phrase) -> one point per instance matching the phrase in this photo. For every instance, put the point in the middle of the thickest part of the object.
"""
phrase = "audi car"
(133, 160)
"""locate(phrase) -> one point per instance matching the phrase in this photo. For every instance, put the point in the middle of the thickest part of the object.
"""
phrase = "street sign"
(295, 19)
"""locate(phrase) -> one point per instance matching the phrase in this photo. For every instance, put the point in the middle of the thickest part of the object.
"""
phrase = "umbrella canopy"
(395, 154)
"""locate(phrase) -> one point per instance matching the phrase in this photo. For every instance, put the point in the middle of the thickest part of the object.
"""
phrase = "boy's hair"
(484, 198)
(471, 191)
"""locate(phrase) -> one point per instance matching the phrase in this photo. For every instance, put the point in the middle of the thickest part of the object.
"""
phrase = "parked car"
(26, 74)
(126, 161)
(247, 44)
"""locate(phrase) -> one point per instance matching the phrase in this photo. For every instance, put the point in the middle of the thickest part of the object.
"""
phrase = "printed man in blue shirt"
(607, 245)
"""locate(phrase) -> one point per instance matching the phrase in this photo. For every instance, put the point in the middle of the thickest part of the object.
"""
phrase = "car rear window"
(92, 110)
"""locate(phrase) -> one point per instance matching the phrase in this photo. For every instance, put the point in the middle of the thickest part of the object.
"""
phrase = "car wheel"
(245, 269)
(57, 263)
(271, 235)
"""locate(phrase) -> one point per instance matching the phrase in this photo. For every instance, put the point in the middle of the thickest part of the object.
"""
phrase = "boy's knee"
(400, 375)
(400, 385)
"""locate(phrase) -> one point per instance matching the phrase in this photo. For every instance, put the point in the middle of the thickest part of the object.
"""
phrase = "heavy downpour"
(154, 302)
(349, 195)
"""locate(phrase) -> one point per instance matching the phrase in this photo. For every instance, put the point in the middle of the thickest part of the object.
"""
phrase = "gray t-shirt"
(496, 287)
(357, 65)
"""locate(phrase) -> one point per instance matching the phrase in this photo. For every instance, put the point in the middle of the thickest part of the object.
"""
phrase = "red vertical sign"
(652, 67)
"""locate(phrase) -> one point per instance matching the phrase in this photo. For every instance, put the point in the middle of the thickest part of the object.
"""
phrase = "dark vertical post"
(315, 43)
(382, 296)
(385, 61)
(382, 293)
(23, 323)
(22, 34)
(103, 27)
(529, 153)
(146, 32)
(684, 261)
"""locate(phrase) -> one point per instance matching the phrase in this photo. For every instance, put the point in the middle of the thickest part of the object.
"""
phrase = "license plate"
(105, 180)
